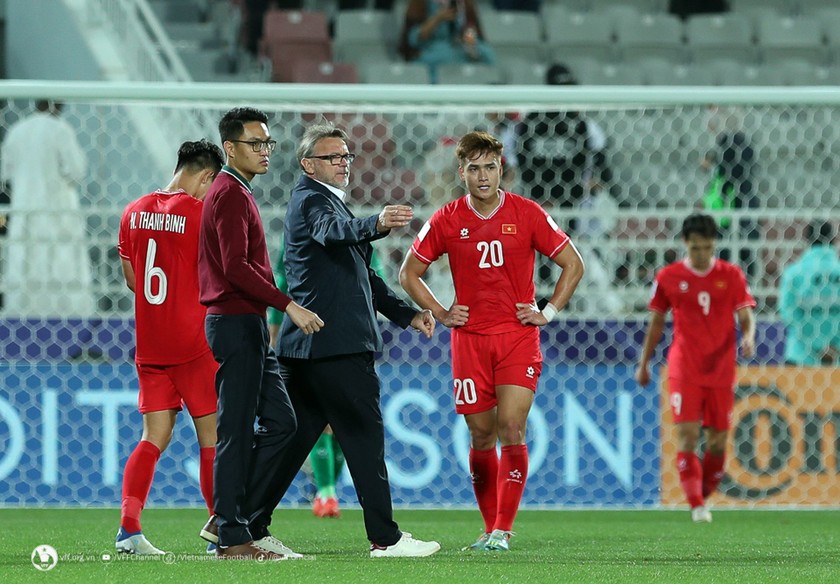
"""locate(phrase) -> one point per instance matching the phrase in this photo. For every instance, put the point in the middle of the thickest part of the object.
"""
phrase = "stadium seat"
(285, 27)
(790, 38)
(525, 72)
(514, 35)
(571, 5)
(720, 36)
(365, 35)
(795, 72)
(192, 35)
(641, 6)
(611, 74)
(616, 13)
(751, 75)
(829, 19)
(310, 71)
(651, 35)
(663, 72)
(469, 74)
(819, 8)
(395, 73)
(284, 57)
(328, 7)
(782, 7)
(577, 33)
(205, 65)
(181, 11)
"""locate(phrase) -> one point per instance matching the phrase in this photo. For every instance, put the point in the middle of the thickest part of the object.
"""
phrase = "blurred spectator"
(521, 5)
(809, 301)
(504, 125)
(253, 13)
(47, 269)
(731, 184)
(562, 159)
(439, 32)
(685, 8)
(561, 154)
(599, 292)
(363, 4)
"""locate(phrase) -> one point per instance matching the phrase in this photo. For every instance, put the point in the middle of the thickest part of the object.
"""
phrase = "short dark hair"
(819, 233)
(700, 224)
(475, 144)
(232, 124)
(200, 155)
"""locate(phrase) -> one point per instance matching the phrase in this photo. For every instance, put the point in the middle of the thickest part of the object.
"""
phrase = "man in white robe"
(48, 268)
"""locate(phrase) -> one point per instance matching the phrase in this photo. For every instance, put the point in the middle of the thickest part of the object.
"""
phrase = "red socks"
(205, 475)
(137, 481)
(691, 477)
(513, 472)
(712, 472)
(484, 470)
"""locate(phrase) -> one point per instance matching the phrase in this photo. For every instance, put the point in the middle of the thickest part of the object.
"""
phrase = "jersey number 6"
(153, 271)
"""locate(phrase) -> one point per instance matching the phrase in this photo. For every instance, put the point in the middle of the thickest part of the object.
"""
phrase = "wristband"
(549, 312)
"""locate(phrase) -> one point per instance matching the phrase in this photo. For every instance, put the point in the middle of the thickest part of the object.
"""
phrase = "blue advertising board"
(67, 427)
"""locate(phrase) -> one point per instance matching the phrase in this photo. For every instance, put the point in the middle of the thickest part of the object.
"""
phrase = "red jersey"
(491, 258)
(704, 349)
(159, 237)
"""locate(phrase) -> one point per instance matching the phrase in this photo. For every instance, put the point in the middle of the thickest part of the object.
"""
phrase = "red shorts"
(166, 387)
(712, 406)
(480, 363)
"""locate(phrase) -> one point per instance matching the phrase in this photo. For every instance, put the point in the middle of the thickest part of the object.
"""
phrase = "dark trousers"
(249, 388)
(342, 391)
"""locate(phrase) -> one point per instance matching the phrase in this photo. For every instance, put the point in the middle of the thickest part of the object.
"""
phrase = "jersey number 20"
(491, 254)
(465, 391)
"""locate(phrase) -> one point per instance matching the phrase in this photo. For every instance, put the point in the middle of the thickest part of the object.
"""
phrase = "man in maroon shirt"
(237, 285)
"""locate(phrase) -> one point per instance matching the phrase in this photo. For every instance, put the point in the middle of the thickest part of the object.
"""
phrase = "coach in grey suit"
(331, 376)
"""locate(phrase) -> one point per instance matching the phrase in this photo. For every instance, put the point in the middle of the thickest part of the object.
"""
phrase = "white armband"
(549, 312)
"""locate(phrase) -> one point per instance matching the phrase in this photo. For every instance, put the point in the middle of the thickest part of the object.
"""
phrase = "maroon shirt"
(234, 271)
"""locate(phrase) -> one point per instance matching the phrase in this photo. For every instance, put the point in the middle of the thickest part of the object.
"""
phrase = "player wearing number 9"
(491, 237)
(158, 247)
(703, 292)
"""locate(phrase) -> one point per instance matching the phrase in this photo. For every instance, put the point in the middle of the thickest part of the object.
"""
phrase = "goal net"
(619, 168)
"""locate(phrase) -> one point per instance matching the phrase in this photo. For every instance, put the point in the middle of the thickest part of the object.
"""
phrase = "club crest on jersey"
(465, 233)
(683, 286)
(509, 229)
(720, 284)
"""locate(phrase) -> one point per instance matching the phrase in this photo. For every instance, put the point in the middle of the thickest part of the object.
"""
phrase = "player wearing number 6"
(158, 246)
(703, 293)
(491, 237)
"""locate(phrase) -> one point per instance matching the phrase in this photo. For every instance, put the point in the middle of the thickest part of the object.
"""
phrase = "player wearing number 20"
(703, 292)
(158, 246)
(491, 237)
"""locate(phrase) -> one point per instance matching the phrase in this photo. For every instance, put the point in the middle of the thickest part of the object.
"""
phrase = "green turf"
(550, 546)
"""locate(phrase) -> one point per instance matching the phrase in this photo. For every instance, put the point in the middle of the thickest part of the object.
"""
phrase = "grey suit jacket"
(328, 271)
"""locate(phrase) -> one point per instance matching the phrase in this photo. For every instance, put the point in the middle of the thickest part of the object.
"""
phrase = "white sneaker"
(136, 544)
(701, 515)
(272, 544)
(406, 547)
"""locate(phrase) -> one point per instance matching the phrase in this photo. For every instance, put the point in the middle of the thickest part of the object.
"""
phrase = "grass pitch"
(550, 546)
